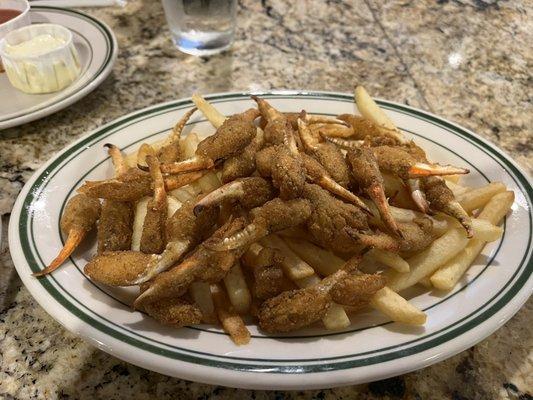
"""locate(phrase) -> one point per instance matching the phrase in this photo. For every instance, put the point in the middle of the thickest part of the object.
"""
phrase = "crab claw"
(251, 233)
(342, 143)
(116, 156)
(266, 110)
(422, 169)
(144, 151)
(418, 195)
(161, 262)
(377, 194)
(250, 192)
(309, 141)
(331, 186)
(378, 240)
(194, 163)
(454, 209)
(75, 236)
(323, 119)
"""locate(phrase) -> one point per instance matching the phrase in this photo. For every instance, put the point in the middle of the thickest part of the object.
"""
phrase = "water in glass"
(201, 27)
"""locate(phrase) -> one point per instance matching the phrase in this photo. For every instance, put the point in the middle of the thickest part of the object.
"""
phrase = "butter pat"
(40, 58)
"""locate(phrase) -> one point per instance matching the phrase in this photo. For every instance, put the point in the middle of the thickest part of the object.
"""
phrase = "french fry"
(446, 277)
(210, 112)
(189, 144)
(429, 260)
(325, 262)
(238, 293)
(144, 150)
(293, 266)
(485, 231)
(131, 158)
(138, 222)
(201, 294)
(173, 205)
(391, 260)
(370, 110)
(457, 189)
(182, 194)
(336, 317)
(209, 182)
(477, 198)
(230, 320)
(396, 307)
(453, 178)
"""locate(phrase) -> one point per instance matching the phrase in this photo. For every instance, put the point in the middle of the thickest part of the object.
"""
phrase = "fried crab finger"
(153, 238)
(273, 216)
(229, 139)
(79, 217)
(249, 192)
(170, 150)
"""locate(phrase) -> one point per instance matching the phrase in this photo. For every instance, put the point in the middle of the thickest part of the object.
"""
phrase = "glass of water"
(201, 27)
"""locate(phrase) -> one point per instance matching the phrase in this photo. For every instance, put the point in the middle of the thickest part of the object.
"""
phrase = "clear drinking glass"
(201, 27)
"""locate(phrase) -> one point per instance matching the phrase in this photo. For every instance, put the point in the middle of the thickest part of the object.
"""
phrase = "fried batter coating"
(286, 171)
(79, 217)
(249, 192)
(330, 217)
(153, 238)
(272, 217)
(117, 268)
(441, 198)
(243, 164)
(115, 226)
(293, 310)
(356, 290)
(394, 160)
(366, 174)
(81, 213)
(171, 151)
(174, 312)
(416, 235)
(362, 127)
(130, 186)
(277, 124)
(185, 225)
(231, 138)
(202, 264)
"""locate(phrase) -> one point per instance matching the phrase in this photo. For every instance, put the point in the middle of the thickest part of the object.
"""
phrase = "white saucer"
(98, 50)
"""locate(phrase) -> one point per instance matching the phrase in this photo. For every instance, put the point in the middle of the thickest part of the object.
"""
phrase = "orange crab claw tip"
(74, 239)
(420, 170)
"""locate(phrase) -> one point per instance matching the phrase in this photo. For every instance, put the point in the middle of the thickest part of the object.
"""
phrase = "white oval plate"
(372, 348)
(98, 50)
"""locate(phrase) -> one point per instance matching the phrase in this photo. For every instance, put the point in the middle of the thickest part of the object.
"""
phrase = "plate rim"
(94, 81)
(313, 94)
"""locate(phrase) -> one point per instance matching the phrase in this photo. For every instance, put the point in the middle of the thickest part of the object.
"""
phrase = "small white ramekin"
(44, 73)
(20, 20)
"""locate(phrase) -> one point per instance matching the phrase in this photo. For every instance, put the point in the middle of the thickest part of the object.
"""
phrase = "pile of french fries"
(440, 266)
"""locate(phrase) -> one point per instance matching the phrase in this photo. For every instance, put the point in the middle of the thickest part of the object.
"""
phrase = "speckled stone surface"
(468, 61)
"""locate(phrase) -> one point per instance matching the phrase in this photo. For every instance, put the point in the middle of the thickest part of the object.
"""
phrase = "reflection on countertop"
(468, 61)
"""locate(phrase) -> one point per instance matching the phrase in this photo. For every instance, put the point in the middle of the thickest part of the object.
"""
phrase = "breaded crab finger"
(249, 192)
(115, 227)
(153, 239)
(170, 150)
(366, 173)
(441, 199)
(79, 217)
(230, 139)
(243, 164)
(317, 174)
(273, 216)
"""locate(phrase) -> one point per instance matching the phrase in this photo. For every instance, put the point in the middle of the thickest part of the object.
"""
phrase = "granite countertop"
(467, 60)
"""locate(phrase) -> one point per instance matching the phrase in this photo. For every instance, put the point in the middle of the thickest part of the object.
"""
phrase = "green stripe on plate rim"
(321, 367)
(106, 33)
